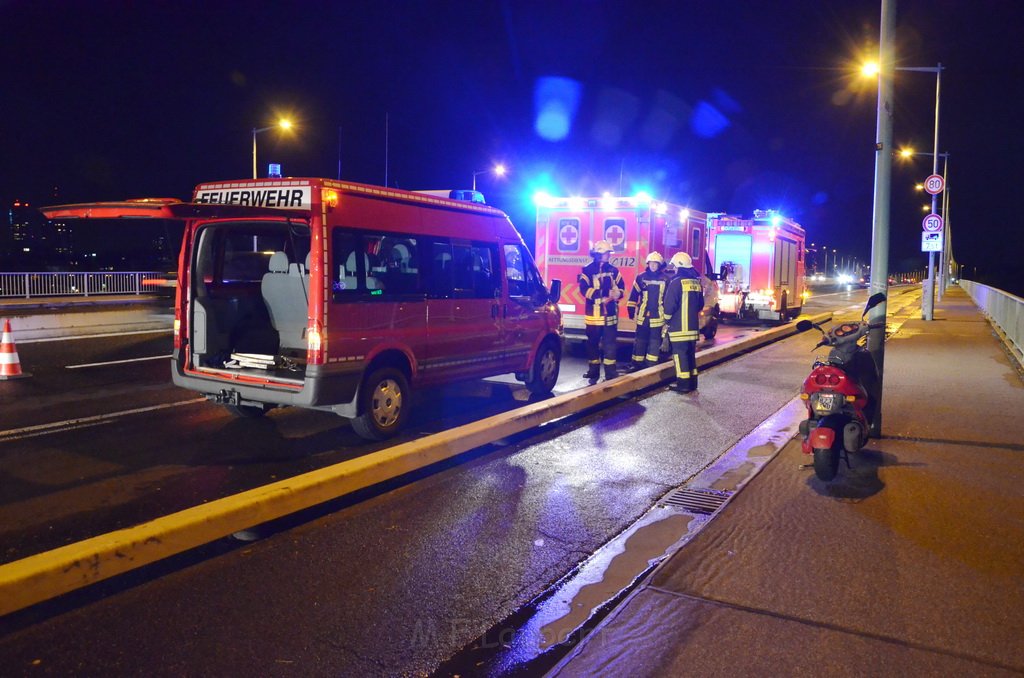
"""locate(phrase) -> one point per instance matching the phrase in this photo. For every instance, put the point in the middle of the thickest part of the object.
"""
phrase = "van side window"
(475, 276)
(515, 271)
(440, 276)
(371, 266)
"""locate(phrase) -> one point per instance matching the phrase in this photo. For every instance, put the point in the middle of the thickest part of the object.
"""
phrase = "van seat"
(350, 274)
(285, 292)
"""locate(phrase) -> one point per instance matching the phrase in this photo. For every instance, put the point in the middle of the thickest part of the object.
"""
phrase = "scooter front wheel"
(826, 462)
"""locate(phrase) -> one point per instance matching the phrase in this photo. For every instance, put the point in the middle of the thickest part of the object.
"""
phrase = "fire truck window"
(515, 272)
(695, 243)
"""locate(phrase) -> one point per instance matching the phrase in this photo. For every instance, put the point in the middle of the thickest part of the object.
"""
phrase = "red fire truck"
(635, 227)
(760, 263)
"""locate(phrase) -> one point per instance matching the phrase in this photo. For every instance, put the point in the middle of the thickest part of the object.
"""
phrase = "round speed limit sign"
(932, 223)
(934, 184)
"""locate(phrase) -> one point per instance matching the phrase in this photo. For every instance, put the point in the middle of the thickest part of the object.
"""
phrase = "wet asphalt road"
(392, 584)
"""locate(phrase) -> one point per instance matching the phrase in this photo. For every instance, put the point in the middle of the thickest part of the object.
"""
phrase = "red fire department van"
(760, 263)
(635, 227)
(340, 296)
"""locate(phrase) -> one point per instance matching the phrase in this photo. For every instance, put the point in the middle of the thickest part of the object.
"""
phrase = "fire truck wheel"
(544, 375)
(383, 404)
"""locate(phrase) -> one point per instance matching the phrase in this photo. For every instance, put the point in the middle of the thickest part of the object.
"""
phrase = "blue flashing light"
(542, 199)
(707, 121)
(556, 100)
(776, 220)
(642, 197)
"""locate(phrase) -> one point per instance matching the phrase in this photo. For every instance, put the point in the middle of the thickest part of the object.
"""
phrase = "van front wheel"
(544, 374)
(383, 404)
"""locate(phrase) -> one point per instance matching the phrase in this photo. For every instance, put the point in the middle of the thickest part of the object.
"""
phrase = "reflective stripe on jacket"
(596, 282)
(647, 299)
(684, 300)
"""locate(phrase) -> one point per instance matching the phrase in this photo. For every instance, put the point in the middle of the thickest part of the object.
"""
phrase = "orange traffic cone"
(10, 366)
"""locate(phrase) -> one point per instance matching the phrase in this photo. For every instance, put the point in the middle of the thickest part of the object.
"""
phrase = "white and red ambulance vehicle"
(760, 264)
(634, 226)
(342, 297)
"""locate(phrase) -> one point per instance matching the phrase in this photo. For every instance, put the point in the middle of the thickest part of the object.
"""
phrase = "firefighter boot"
(680, 386)
(610, 371)
(593, 373)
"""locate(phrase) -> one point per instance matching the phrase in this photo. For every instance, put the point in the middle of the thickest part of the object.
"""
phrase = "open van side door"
(165, 208)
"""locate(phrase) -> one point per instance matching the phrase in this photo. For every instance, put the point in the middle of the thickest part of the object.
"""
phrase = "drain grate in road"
(698, 500)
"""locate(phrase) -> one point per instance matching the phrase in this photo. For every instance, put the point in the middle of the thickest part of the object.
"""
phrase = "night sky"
(724, 106)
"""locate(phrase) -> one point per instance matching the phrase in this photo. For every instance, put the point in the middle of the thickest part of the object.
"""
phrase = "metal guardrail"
(28, 285)
(1005, 310)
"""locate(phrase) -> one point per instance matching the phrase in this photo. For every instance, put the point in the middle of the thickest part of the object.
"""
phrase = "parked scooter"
(838, 394)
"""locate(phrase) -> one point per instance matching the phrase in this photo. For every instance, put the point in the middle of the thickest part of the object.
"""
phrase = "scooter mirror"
(804, 325)
(874, 300)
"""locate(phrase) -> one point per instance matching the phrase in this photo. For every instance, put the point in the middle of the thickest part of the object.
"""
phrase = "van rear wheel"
(383, 404)
(544, 374)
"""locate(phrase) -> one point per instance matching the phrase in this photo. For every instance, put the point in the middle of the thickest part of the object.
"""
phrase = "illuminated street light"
(499, 170)
(282, 124)
(928, 305)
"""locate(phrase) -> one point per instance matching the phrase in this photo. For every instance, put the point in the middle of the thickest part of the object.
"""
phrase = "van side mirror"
(556, 291)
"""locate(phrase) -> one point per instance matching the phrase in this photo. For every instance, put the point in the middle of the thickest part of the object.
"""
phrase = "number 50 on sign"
(932, 223)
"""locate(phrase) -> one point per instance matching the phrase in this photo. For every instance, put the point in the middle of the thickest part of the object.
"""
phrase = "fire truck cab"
(760, 264)
(635, 227)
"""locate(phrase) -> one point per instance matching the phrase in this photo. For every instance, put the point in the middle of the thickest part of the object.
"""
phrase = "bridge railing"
(28, 285)
(1005, 310)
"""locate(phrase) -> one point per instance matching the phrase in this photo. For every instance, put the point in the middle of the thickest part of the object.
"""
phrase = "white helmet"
(681, 260)
(656, 258)
(601, 247)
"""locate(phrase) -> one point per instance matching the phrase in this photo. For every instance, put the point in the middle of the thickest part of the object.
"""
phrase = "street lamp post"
(880, 204)
(499, 170)
(283, 124)
(928, 307)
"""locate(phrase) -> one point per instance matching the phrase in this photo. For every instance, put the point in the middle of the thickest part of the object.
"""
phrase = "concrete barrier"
(50, 574)
(28, 328)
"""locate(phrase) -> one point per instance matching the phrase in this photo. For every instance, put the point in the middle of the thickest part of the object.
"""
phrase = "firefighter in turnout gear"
(646, 307)
(602, 287)
(684, 300)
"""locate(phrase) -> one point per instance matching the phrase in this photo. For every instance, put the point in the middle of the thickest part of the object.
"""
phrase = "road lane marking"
(58, 426)
(117, 362)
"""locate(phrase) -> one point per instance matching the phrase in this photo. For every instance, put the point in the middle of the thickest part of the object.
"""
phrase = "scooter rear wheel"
(826, 462)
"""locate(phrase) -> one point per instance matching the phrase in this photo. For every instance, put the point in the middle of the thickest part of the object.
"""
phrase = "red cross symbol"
(569, 235)
(615, 234)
